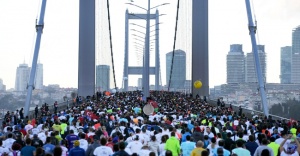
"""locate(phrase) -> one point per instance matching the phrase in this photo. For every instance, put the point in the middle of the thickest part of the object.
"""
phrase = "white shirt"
(17, 152)
(210, 135)
(42, 136)
(141, 137)
(35, 131)
(4, 150)
(294, 154)
(83, 144)
(135, 146)
(280, 140)
(161, 149)
(103, 151)
(158, 137)
(212, 149)
(64, 150)
(28, 127)
(8, 143)
(144, 152)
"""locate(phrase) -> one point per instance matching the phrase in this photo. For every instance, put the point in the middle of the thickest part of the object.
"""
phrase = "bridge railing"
(61, 106)
(248, 112)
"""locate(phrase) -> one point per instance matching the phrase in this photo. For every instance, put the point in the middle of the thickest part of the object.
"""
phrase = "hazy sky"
(59, 45)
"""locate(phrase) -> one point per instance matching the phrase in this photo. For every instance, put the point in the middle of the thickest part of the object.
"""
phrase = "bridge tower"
(86, 49)
(138, 70)
(200, 47)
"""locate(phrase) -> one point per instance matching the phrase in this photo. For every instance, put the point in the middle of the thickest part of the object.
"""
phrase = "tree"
(289, 109)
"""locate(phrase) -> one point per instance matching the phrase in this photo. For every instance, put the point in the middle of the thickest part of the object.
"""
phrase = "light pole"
(147, 49)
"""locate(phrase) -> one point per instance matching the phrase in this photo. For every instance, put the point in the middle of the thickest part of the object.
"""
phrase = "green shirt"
(63, 128)
(275, 147)
(173, 145)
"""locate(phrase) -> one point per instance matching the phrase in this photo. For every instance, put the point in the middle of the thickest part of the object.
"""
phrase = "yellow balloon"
(197, 84)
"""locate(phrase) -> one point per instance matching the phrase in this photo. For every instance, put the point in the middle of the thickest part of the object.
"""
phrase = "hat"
(76, 143)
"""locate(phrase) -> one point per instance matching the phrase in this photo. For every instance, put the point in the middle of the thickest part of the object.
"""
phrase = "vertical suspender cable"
(111, 47)
(174, 46)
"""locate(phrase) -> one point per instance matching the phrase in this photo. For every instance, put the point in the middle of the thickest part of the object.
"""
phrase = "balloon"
(197, 84)
(113, 91)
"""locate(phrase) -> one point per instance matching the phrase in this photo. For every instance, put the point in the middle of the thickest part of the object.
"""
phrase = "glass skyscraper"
(22, 77)
(285, 64)
(102, 77)
(250, 68)
(39, 78)
(296, 55)
(235, 64)
(179, 69)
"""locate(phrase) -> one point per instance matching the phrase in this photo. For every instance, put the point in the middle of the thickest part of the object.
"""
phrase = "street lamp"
(147, 48)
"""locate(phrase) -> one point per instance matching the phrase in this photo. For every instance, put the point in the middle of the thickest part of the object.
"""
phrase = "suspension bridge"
(199, 51)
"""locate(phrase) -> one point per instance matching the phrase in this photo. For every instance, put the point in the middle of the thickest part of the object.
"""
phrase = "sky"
(59, 45)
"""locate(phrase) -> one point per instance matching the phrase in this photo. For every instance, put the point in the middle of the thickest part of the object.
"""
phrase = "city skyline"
(22, 77)
(59, 50)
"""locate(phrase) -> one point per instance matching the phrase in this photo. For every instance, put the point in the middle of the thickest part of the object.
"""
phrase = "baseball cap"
(76, 143)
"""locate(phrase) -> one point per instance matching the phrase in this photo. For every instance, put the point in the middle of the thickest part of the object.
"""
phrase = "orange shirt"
(97, 125)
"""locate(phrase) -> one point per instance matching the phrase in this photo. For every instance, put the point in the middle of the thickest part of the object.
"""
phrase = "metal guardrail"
(61, 106)
(249, 112)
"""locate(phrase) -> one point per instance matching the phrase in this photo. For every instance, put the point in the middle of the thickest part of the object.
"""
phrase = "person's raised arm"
(283, 142)
(298, 144)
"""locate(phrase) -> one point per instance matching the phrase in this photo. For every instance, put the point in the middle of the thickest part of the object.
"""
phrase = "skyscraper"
(179, 69)
(236, 64)
(296, 40)
(285, 64)
(296, 56)
(250, 70)
(22, 77)
(102, 77)
(39, 78)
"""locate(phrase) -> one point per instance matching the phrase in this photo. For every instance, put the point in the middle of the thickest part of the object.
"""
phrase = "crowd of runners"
(116, 125)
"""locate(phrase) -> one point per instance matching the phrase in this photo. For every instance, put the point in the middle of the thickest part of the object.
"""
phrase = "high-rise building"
(296, 40)
(140, 83)
(295, 74)
(22, 77)
(39, 78)
(179, 69)
(236, 64)
(102, 77)
(285, 64)
(2, 86)
(250, 70)
(295, 56)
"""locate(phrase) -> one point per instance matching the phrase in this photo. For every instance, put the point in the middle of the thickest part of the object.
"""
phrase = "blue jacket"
(77, 151)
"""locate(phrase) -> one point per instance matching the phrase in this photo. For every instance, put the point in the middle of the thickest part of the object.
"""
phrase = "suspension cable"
(174, 46)
(111, 46)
